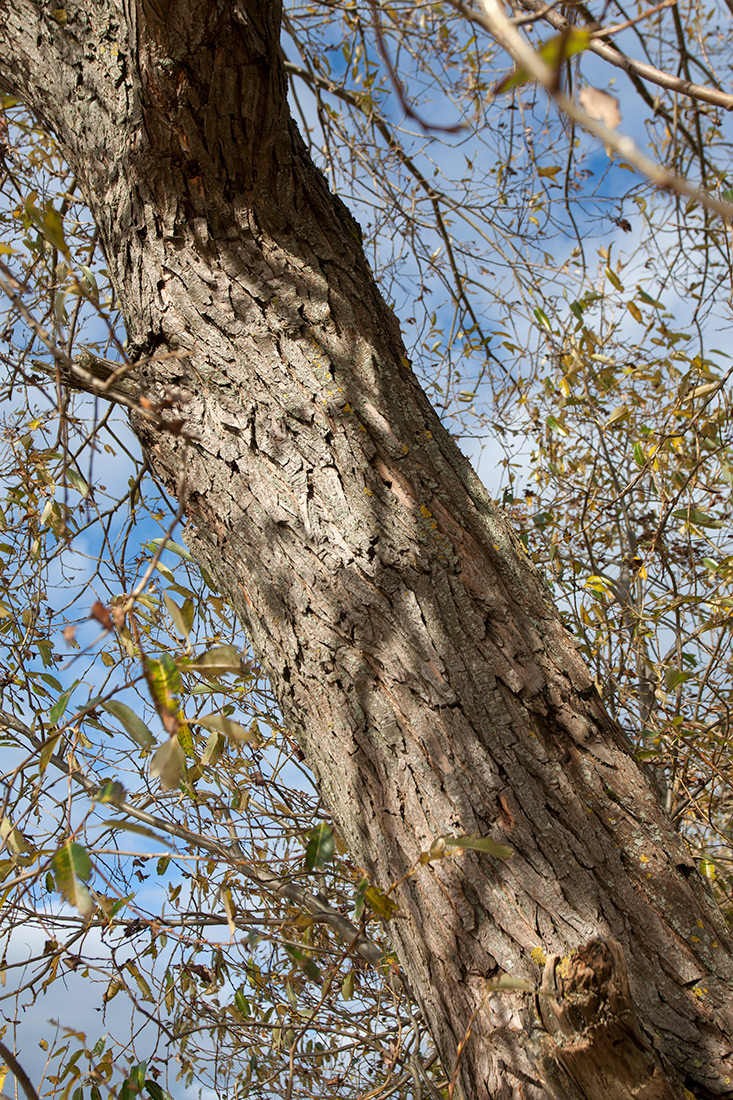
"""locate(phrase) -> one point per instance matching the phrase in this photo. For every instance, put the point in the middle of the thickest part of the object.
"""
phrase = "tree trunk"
(411, 643)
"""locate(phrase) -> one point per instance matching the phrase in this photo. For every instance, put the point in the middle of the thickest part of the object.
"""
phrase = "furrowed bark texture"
(412, 645)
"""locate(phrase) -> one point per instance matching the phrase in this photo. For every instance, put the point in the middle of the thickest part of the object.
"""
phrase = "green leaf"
(118, 905)
(360, 897)
(72, 867)
(112, 791)
(165, 571)
(174, 547)
(137, 1074)
(49, 748)
(182, 617)
(185, 740)
(699, 519)
(133, 725)
(213, 748)
(127, 1091)
(673, 677)
(555, 426)
(649, 300)
(88, 283)
(59, 707)
(347, 986)
(320, 847)
(164, 681)
(169, 764)
(480, 844)
(379, 903)
(52, 227)
(241, 1003)
(76, 481)
(232, 729)
(305, 964)
(132, 967)
(543, 319)
(154, 1090)
(216, 661)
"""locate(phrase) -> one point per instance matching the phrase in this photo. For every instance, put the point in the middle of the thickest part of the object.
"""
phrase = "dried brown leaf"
(601, 105)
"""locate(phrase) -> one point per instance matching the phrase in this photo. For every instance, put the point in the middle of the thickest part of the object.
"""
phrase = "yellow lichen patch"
(425, 512)
(368, 492)
(644, 859)
(538, 956)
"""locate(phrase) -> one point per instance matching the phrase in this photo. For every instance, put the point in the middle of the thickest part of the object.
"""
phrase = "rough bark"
(412, 645)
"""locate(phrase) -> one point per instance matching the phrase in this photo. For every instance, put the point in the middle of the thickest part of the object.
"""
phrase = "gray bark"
(412, 645)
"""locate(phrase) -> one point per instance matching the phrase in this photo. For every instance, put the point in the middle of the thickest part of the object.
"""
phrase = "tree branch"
(20, 1075)
(266, 880)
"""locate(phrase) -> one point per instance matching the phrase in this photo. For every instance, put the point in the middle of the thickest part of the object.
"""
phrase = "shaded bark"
(411, 643)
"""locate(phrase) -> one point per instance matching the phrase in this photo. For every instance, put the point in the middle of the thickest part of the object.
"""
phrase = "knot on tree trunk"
(591, 1047)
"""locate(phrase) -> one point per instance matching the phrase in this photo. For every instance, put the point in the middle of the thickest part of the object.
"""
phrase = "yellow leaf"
(551, 171)
(614, 278)
(618, 414)
(226, 897)
(53, 229)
